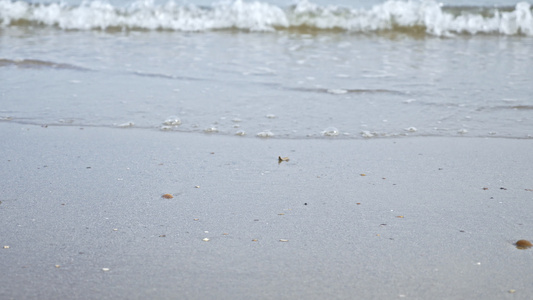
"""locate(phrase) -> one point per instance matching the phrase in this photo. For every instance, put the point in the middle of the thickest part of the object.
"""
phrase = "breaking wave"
(426, 17)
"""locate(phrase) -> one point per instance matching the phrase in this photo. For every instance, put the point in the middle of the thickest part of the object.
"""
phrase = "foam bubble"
(337, 91)
(330, 131)
(172, 121)
(126, 125)
(265, 134)
(367, 134)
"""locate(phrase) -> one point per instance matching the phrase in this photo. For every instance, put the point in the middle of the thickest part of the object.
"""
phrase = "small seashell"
(523, 244)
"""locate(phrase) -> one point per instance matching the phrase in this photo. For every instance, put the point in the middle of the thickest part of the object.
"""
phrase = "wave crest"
(394, 15)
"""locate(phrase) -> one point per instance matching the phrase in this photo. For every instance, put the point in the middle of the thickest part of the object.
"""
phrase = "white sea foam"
(406, 16)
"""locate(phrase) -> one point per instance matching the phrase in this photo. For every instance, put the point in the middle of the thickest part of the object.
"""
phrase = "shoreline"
(419, 217)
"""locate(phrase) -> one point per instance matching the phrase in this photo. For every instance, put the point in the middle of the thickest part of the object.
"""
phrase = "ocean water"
(271, 69)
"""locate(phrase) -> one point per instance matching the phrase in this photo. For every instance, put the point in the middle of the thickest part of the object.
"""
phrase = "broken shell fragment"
(280, 159)
(167, 196)
(205, 240)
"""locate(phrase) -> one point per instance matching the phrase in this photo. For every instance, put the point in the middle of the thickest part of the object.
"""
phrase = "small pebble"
(205, 240)
(167, 196)
(6, 247)
(105, 269)
(282, 240)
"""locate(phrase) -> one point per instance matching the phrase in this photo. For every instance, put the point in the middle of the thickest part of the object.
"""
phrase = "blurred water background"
(282, 69)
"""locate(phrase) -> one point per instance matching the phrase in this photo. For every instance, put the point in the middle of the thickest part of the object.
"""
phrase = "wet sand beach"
(82, 216)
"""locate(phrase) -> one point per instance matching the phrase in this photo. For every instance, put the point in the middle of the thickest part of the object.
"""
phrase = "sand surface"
(82, 217)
